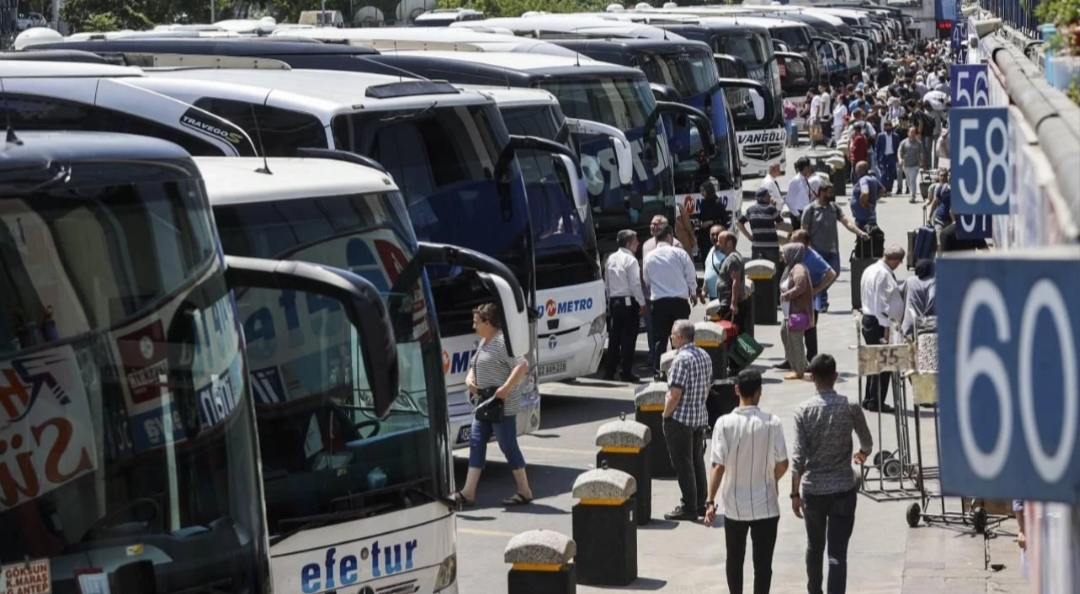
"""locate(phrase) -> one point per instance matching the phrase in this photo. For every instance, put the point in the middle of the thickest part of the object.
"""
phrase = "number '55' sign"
(981, 162)
(1009, 383)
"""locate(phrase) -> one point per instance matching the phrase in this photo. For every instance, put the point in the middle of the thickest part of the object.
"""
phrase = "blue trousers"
(888, 171)
(821, 300)
(505, 434)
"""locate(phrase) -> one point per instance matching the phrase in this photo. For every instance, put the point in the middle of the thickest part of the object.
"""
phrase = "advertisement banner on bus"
(46, 434)
(599, 164)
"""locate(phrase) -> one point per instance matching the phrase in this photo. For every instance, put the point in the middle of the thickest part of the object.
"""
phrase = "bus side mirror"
(624, 159)
(759, 104)
(574, 180)
(356, 297)
(497, 279)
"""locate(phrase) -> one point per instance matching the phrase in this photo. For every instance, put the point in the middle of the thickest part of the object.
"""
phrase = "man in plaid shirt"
(685, 420)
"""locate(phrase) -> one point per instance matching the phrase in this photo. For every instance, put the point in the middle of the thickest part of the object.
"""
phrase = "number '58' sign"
(981, 162)
(1009, 382)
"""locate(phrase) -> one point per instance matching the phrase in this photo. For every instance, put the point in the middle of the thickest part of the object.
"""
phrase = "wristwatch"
(709, 504)
(794, 495)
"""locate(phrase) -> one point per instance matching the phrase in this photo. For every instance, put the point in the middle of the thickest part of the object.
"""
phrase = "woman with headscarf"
(921, 291)
(797, 303)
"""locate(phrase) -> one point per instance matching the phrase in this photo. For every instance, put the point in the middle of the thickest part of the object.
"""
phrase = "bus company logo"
(557, 308)
(194, 120)
(333, 572)
(690, 204)
(457, 362)
(765, 137)
(553, 341)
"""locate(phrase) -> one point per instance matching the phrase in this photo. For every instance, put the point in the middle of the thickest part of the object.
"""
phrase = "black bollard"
(649, 402)
(604, 527)
(541, 563)
(624, 445)
(763, 273)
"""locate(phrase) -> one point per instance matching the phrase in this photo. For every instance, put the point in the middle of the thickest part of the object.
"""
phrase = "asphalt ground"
(885, 555)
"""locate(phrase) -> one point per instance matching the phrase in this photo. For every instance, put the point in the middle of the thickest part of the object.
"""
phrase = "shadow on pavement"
(563, 411)
(497, 483)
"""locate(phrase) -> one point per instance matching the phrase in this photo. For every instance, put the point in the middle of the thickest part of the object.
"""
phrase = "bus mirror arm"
(506, 157)
(339, 155)
(496, 278)
(695, 115)
(359, 299)
(624, 159)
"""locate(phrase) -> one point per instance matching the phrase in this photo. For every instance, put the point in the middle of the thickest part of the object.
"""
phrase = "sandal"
(464, 501)
(794, 376)
(517, 499)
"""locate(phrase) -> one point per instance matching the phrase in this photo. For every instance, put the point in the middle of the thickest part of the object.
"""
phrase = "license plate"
(464, 434)
(551, 368)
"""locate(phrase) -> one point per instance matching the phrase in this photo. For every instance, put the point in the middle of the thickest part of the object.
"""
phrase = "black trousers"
(686, 448)
(810, 338)
(763, 533)
(829, 521)
(796, 221)
(622, 336)
(666, 311)
(877, 386)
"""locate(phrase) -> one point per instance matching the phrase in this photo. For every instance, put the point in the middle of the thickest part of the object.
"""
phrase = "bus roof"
(43, 148)
(540, 65)
(585, 24)
(248, 47)
(327, 91)
(511, 96)
(638, 45)
(236, 180)
(65, 69)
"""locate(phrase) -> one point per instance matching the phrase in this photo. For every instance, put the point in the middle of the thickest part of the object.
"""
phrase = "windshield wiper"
(407, 117)
(449, 502)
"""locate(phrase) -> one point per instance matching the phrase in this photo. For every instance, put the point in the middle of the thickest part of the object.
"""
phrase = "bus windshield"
(796, 38)
(444, 160)
(689, 73)
(124, 408)
(323, 448)
(756, 51)
(626, 104)
(565, 244)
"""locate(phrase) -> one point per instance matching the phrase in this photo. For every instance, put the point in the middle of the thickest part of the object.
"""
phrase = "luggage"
(744, 352)
(922, 243)
(721, 401)
(858, 266)
(873, 247)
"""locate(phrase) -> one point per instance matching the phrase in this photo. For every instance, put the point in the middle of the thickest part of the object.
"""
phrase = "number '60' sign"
(1009, 383)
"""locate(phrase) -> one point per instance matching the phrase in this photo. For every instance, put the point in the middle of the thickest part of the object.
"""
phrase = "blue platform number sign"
(974, 227)
(1009, 383)
(981, 161)
(969, 85)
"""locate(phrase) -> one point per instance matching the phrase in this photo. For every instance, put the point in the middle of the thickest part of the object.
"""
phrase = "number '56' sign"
(981, 162)
(969, 85)
(1009, 382)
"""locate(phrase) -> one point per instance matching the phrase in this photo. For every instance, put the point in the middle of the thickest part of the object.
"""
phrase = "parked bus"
(130, 454)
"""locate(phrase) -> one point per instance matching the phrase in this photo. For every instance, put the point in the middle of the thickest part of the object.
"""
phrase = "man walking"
(626, 302)
(748, 458)
(799, 192)
(888, 143)
(685, 419)
(911, 159)
(823, 489)
(672, 282)
(822, 219)
(882, 304)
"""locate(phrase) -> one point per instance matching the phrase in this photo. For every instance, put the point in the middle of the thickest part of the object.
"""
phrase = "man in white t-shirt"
(771, 182)
(749, 456)
(814, 118)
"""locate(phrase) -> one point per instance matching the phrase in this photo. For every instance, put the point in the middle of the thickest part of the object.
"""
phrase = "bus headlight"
(447, 573)
(598, 325)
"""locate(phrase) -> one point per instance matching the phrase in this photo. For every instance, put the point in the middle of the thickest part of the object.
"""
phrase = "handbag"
(798, 322)
(491, 409)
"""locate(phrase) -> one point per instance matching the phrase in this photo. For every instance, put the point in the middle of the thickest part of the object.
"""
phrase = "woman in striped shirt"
(494, 367)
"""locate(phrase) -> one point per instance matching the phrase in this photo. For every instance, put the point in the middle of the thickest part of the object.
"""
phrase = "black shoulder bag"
(491, 409)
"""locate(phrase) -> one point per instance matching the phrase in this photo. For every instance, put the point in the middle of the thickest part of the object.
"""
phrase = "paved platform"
(886, 556)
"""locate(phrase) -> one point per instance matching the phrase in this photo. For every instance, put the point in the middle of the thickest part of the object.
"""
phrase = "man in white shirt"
(882, 304)
(626, 302)
(771, 182)
(648, 246)
(672, 281)
(749, 456)
(799, 192)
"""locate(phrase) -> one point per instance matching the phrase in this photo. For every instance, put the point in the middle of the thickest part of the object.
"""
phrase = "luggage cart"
(891, 475)
(923, 379)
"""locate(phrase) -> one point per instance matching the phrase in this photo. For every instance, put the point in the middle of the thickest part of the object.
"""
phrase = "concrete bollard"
(541, 563)
(665, 362)
(712, 310)
(624, 445)
(604, 527)
(649, 402)
(712, 338)
(763, 273)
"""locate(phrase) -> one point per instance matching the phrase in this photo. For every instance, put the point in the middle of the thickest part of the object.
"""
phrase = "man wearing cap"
(821, 219)
(763, 218)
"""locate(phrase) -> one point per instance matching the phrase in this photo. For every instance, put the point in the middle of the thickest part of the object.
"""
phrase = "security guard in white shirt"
(626, 302)
(882, 304)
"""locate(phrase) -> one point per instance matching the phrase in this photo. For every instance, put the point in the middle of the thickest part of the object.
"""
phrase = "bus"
(341, 480)
(130, 454)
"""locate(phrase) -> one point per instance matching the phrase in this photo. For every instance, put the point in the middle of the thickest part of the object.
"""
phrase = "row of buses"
(240, 270)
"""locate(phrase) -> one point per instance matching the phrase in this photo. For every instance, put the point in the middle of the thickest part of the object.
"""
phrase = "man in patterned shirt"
(685, 420)
(821, 464)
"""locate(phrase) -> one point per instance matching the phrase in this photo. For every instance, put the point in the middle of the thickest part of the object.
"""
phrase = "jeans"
(829, 521)
(686, 447)
(505, 433)
(793, 132)
(888, 171)
(821, 300)
(763, 533)
(912, 175)
(877, 386)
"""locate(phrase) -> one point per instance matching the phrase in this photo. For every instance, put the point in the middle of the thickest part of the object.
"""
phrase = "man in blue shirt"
(821, 276)
(864, 195)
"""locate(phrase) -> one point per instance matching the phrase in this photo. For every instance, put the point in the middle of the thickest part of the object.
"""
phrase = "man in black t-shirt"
(713, 211)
